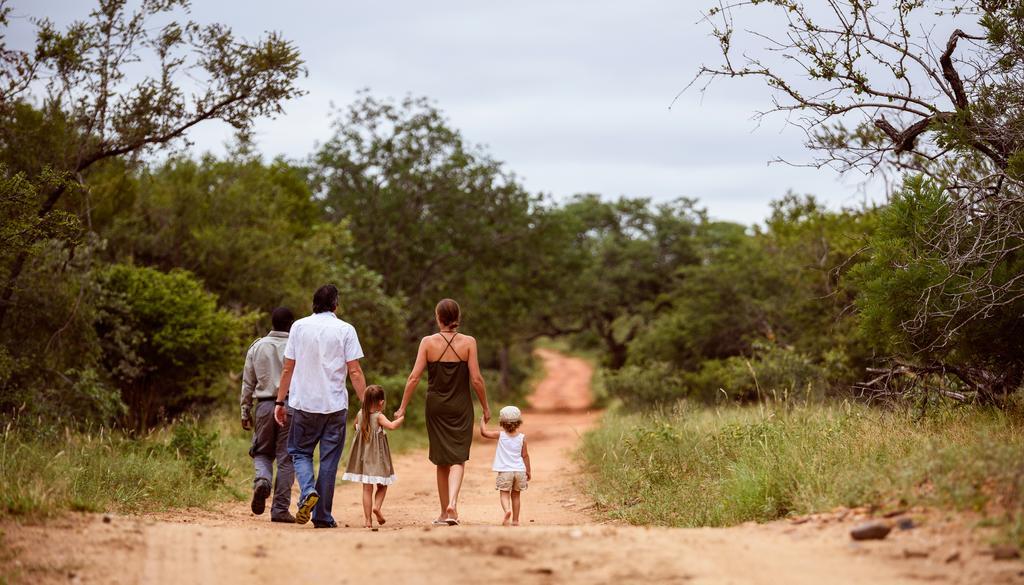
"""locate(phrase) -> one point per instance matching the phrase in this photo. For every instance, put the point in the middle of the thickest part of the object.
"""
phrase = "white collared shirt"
(321, 345)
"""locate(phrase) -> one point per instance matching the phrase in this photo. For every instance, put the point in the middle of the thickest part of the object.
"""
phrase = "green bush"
(931, 310)
(772, 372)
(164, 340)
(644, 387)
(196, 445)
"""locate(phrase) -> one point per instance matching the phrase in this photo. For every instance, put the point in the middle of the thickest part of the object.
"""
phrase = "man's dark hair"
(325, 299)
(282, 319)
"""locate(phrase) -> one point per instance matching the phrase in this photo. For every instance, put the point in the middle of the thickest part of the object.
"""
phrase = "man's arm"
(280, 413)
(248, 387)
(355, 373)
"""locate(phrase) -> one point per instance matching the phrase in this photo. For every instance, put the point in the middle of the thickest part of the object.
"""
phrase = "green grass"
(187, 464)
(703, 467)
(109, 471)
(45, 471)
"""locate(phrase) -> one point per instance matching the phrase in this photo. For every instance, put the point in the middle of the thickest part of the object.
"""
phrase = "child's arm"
(526, 460)
(387, 424)
(485, 433)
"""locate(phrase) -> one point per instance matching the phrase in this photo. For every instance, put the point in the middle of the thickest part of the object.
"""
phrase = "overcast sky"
(573, 95)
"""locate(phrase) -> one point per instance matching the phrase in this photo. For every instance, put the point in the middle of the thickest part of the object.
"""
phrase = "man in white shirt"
(322, 351)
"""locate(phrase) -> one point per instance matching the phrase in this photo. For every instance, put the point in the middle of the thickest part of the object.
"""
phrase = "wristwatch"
(279, 402)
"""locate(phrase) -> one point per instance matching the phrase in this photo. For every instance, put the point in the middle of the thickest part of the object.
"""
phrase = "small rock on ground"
(1005, 553)
(871, 531)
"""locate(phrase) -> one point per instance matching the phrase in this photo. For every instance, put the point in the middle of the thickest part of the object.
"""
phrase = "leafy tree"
(769, 300)
(875, 92)
(84, 79)
(50, 367)
(253, 234)
(164, 340)
(427, 210)
(929, 316)
(22, 229)
(631, 254)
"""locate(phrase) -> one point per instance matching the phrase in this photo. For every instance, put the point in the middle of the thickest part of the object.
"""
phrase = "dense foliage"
(130, 285)
(902, 89)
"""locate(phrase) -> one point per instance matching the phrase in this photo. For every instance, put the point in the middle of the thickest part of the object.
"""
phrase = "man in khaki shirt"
(260, 379)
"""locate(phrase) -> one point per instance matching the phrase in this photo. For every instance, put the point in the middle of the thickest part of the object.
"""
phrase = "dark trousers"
(270, 443)
(307, 430)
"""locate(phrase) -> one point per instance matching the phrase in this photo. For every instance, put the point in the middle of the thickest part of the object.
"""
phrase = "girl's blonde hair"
(373, 395)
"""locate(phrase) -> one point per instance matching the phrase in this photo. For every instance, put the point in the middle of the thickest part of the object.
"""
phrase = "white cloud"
(573, 95)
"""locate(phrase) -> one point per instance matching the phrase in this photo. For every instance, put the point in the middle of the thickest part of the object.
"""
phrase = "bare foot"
(451, 513)
(368, 525)
(515, 523)
(508, 518)
(380, 517)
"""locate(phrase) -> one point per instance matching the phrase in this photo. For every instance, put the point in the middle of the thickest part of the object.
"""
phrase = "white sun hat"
(510, 414)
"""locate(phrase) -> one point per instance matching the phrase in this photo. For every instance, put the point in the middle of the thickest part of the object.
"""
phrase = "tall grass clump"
(703, 467)
(187, 464)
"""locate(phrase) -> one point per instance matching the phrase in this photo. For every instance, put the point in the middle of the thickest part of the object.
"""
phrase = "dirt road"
(562, 540)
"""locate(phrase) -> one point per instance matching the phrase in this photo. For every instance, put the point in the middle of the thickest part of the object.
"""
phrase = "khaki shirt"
(262, 373)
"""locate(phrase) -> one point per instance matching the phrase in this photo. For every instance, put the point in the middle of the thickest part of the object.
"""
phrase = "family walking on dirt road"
(302, 367)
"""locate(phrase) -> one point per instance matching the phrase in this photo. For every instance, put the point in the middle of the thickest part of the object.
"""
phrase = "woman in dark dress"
(450, 359)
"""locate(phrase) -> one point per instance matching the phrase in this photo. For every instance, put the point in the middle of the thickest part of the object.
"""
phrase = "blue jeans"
(308, 429)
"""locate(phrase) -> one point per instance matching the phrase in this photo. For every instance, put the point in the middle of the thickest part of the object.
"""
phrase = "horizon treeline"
(130, 285)
(169, 268)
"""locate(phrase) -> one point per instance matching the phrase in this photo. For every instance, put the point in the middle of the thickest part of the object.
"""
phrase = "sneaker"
(331, 524)
(260, 493)
(306, 507)
(285, 518)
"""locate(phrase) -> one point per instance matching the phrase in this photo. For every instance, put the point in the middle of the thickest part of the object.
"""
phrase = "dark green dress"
(449, 409)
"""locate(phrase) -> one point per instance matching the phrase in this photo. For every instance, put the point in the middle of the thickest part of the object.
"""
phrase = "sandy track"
(561, 540)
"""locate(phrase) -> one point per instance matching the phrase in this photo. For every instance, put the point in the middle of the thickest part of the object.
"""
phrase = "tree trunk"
(617, 352)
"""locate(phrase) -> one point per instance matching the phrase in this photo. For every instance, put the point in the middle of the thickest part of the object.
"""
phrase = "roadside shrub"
(772, 372)
(164, 340)
(196, 446)
(644, 387)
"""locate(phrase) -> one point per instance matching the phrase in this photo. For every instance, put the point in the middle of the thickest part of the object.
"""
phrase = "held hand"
(529, 476)
(247, 424)
(487, 413)
(280, 415)
(400, 413)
